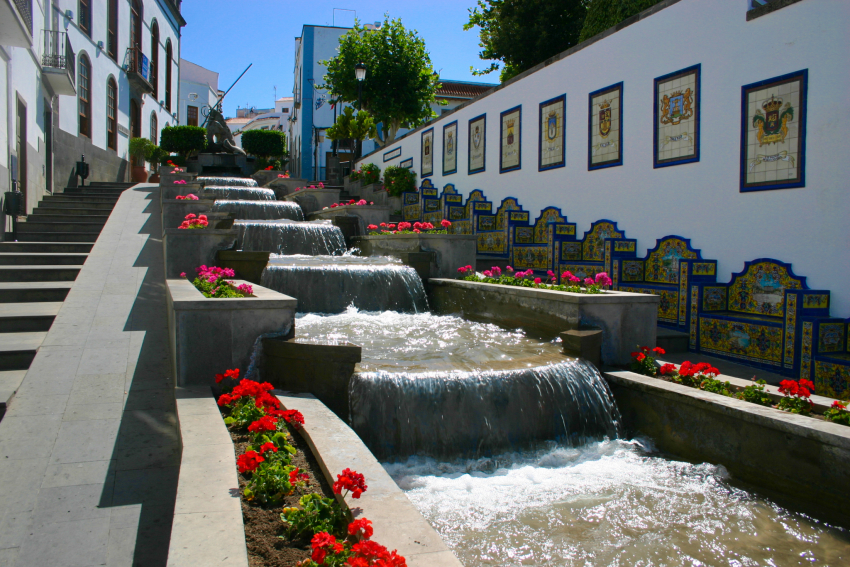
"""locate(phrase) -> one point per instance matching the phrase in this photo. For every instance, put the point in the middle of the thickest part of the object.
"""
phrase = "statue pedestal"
(228, 164)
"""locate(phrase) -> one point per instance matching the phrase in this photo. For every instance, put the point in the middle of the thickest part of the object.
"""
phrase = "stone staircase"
(37, 271)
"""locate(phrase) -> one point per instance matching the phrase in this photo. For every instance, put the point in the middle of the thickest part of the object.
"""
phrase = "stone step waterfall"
(259, 210)
(288, 237)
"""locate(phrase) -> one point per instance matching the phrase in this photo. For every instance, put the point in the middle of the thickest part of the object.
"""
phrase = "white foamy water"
(608, 503)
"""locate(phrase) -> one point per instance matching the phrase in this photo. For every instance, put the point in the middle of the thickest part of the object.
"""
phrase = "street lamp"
(360, 74)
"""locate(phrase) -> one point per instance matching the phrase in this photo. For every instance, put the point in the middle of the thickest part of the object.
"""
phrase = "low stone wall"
(397, 524)
(174, 211)
(167, 192)
(366, 214)
(247, 264)
(185, 250)
(798, 457)
(626, 319)
(313, 200)
(208, 335)
(448, 251)
(167, 178)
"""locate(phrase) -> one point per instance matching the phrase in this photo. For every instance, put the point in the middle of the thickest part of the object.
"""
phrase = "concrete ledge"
(208, 335)
(800, 458)
(366, 214)
(450, 251)
(185, 250)
(311, 200)
(208, 527)
(174, 211)
(626, 319)
(397, 523)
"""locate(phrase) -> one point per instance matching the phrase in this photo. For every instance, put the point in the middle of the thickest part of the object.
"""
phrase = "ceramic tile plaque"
(605, 128)
(773, 133)
(552, 134)
(450, 148)
(428, 152)
(477, 144)
(677, 107)
(510, 140)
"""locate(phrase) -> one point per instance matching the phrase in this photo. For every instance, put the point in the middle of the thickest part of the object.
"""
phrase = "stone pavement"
(90, 448)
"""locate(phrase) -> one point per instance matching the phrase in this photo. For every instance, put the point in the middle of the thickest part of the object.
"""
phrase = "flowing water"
(259, 210)
(329, 284)
(612, 502)
(287, 237)
(231, 181)
(239, 192)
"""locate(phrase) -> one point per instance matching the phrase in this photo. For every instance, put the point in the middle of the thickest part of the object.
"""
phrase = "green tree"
(605, 14)
(400, 83)
(350, 126)
(523, 33)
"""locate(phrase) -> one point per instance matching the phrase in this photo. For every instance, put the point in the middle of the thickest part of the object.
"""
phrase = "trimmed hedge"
(183, 140)
(264, 143)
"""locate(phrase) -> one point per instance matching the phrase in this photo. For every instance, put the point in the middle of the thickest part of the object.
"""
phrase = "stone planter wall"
(175, 210)
(349, 185)
(172, 191)
(166, 178)
(313, 200)
(208, 335)
(248, 265)
(366, 214)
(799, 457)
(185, 250)
(284, 187)
(447, 251)
(375, 193)
(626, 319)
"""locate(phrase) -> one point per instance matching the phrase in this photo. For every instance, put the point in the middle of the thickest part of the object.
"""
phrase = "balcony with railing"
(16, 23)
(137, 66)
(58, 62)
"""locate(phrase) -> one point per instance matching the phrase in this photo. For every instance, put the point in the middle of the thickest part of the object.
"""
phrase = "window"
(192, 115)
(85, 17)
(136, 24)
(153, 128)
(111, 114)
(112, 29)
(154, 68)
(85, 96)
(168, 55)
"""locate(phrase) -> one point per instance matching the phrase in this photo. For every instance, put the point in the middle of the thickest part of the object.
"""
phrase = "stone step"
(69, 212)
(37, 225)
(30, 259)
(46, 247)
(672, 341)
(51, 207)
(18, 349)
(81, 198)
(61, 217)
(95, 189)
(35, 273)
(10, 381)
(27, 317)
(58, 236)
(33, 292)
(122, 184)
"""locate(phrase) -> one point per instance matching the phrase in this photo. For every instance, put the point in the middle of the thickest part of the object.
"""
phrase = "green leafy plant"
(183, 140)
(368, 174)
(710, 384)
(154, 154)
(605, 14)
(264, 143)
(316, 514)
(755, 394)
(643, 362)
(398, 180)
(138, 148)
(838, 413)
(400, 84)
(700, 375)
(795, 396)
(350, 126)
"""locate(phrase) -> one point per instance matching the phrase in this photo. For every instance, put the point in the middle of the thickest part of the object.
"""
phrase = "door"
(21, 149)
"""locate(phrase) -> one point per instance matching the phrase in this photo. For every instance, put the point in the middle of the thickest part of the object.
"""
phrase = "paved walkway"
(90, 448)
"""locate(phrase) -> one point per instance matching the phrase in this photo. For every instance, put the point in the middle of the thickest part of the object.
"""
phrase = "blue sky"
(226, 35)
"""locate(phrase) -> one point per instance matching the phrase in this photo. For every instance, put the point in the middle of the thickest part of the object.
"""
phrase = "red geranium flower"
(266, 447)
(659, 350)
(249, 461)
(264, 424)
(351, 481)
(233, 373)
(361, 528)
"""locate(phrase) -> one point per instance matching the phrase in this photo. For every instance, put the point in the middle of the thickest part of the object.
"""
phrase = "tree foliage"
(183, 140)
(400, 82)
(350, 126)
(264, 143)
(523, 33)
(605, 14)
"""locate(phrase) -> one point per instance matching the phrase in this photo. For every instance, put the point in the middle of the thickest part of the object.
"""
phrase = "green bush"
(368, 174)
(264, 143)
(154, 155)
(183, 140)
(397, 180)
(138, 148)
(605, 14)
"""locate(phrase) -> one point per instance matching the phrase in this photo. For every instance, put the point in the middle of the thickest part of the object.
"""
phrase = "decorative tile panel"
(662, 264)
(683, 293)
(743, 340)
(570, 250)
(815, 301)
(806, 351)
(632, 270)
(534, 257)
(694, 315)
(790, 329)
(760, 289)
(493, 242)
(832, 379)
(830, 337)
(593, 248)
(704, 268)
(714, 298)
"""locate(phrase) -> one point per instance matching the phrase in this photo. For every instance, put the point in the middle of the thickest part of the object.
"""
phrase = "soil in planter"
(263, 525)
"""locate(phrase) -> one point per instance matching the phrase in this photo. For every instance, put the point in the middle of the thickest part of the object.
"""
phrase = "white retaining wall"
(807, 226)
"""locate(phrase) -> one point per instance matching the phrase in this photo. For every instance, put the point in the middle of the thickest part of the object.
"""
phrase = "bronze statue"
(219, 137)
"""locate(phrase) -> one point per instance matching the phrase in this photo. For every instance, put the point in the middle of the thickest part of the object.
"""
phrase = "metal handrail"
(25, 10)
(58, 53)
(135, 59)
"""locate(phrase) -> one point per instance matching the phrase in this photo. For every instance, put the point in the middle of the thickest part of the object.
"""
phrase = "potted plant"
(154, 156)
(138, 147)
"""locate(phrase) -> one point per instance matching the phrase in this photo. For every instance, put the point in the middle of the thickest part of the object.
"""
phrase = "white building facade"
(198, 90)
(81, 77)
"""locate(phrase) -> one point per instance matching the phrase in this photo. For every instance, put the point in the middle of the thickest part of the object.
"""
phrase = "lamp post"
(360, 74)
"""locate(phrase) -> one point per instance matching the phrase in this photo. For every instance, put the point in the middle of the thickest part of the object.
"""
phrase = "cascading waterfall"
(450, 414)
(260, 210)
(329, 284)
(241, 193)
(291, 237)
(228, 181)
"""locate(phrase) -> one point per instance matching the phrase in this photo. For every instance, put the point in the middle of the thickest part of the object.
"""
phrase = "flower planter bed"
(207, 334)
(167, 192)
(366, 214)
(447, 251)
(185, 250)
(174, 210)
(313, 200)
(626, 319)
(167, 177)
(791, 455)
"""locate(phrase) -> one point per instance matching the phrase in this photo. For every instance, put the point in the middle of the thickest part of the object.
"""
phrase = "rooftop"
(462, 89)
